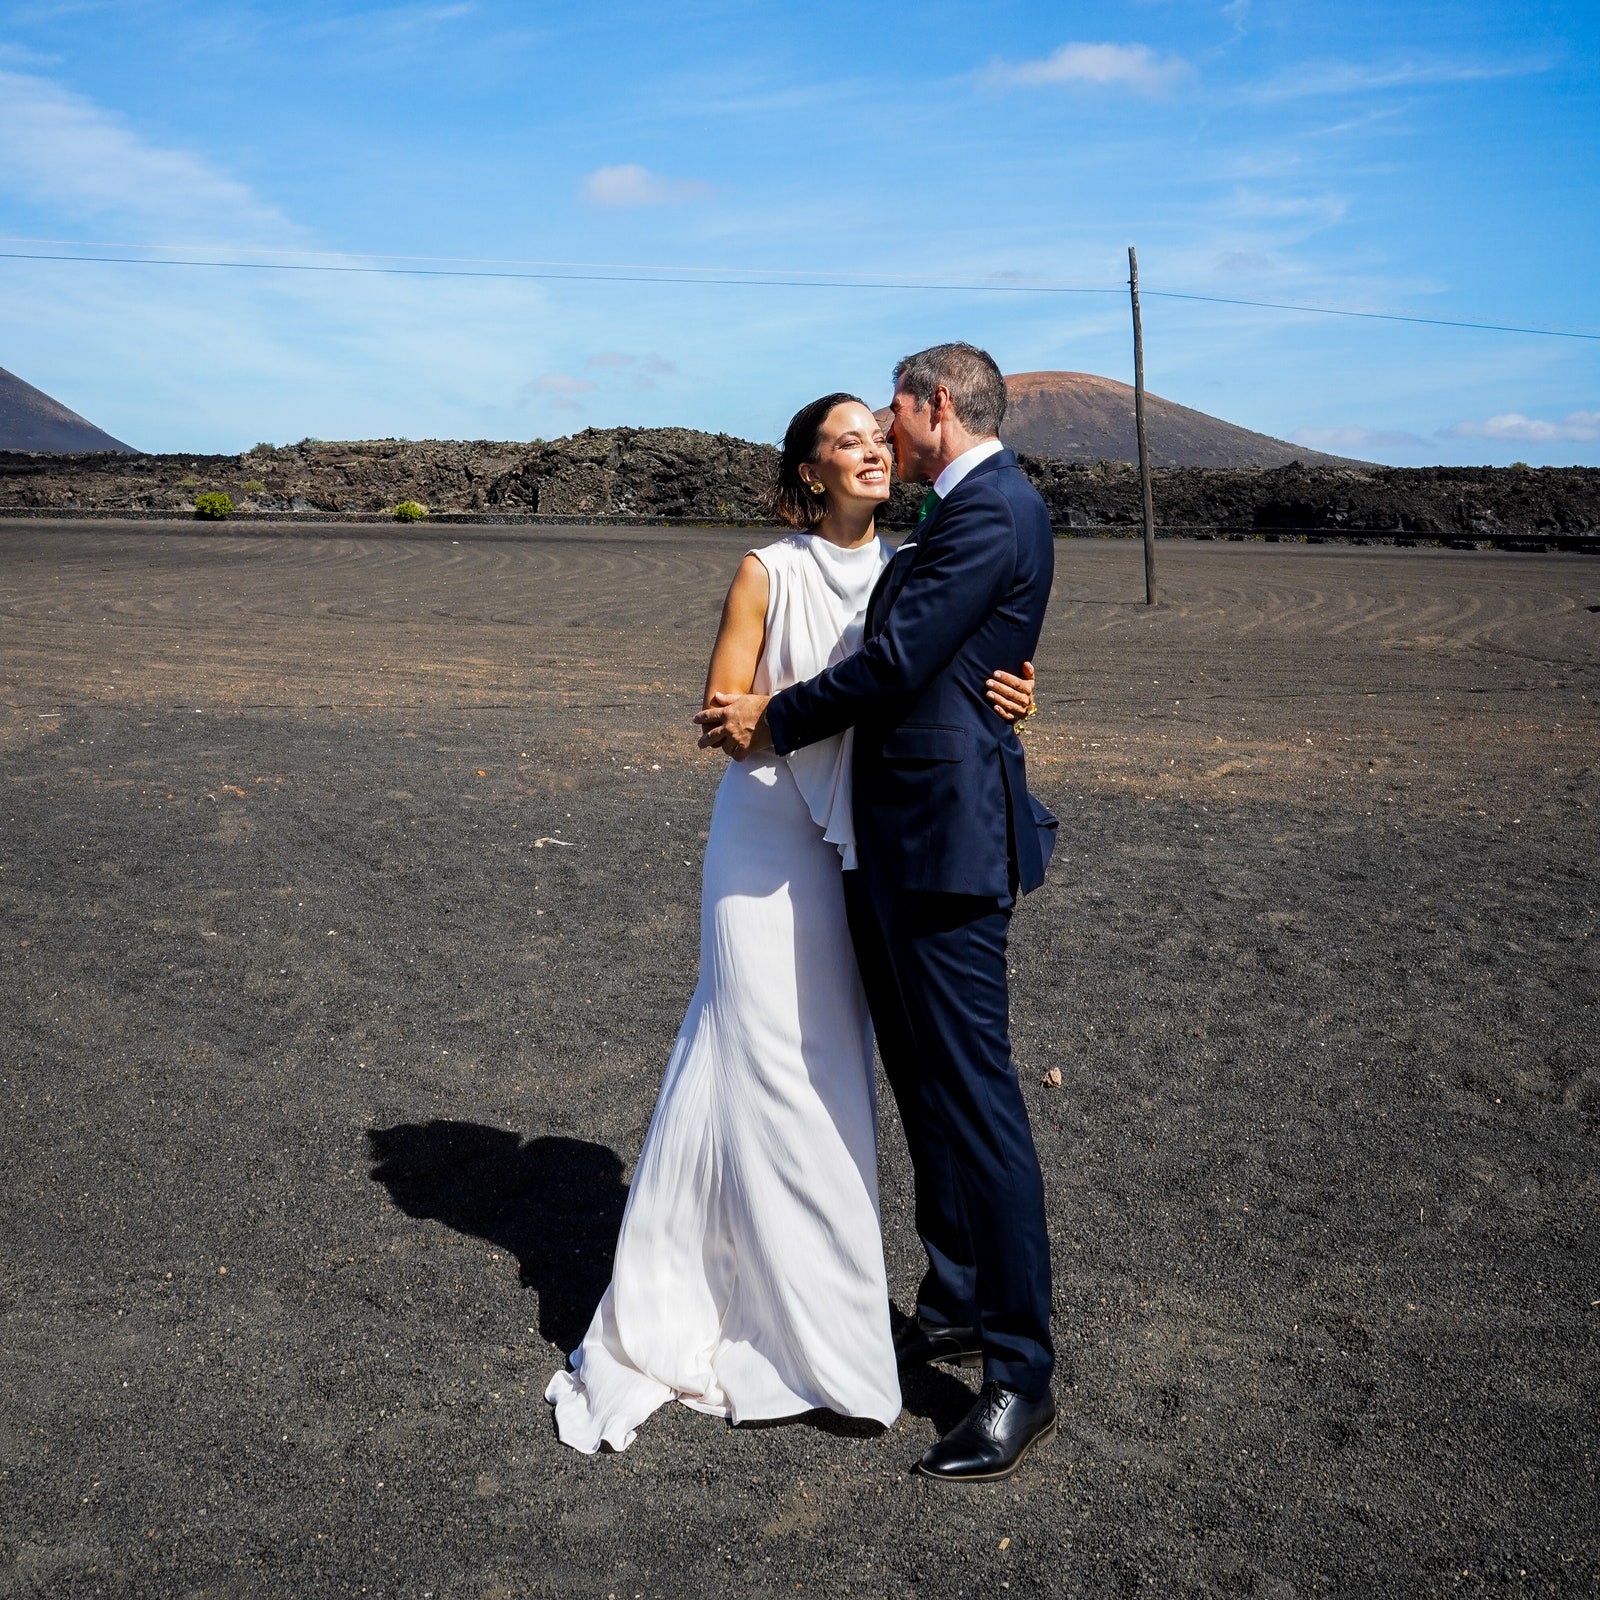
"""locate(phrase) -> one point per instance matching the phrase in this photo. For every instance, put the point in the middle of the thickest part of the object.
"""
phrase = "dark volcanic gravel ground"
(348, 906)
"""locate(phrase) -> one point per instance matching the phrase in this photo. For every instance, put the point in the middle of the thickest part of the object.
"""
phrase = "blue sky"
(1437, 159)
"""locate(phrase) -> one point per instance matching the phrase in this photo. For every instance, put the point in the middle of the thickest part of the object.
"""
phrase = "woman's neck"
(849, 527)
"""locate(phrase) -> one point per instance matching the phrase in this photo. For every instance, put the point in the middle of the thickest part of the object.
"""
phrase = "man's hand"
(735, 723)
(1012, 697)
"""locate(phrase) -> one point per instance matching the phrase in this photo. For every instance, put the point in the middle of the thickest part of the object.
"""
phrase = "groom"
(948, 837)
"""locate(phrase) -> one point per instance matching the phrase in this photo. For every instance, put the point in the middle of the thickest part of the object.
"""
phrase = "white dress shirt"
(963, 464)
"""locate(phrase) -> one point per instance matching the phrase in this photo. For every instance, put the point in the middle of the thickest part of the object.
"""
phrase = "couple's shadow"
(555, 1205)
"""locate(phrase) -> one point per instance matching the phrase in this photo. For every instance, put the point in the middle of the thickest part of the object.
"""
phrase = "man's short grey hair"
(977, 389)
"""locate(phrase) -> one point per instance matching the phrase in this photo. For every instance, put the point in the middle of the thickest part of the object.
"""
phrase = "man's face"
(914, 433)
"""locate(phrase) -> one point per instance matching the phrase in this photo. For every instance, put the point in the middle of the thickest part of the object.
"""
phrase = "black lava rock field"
(621, 474)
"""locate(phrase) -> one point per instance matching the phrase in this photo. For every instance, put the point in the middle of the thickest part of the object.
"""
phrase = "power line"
(744, 278)
(764, 273)
(1374, 316)
(644, 275)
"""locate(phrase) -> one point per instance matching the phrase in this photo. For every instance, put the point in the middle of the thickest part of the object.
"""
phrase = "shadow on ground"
(555, 1204)
(934, 1391)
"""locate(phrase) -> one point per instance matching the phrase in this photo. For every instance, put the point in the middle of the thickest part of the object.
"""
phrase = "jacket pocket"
(925, 742)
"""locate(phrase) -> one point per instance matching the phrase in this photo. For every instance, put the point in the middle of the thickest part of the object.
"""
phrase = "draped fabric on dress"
(749, 1278)
(816, 612)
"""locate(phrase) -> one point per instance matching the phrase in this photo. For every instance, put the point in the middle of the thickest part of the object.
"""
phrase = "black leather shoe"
(915, 1345)
(993, 1437)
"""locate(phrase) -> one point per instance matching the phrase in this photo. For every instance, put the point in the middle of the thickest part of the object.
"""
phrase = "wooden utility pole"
(1144, 447)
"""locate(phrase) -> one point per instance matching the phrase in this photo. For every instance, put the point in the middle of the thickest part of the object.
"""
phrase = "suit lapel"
(899, 569)
(892, 580)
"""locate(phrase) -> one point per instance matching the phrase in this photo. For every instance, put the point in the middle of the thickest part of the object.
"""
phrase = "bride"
(749, 1280)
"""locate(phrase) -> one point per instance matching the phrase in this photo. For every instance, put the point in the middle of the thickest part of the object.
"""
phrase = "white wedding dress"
(749, 1278)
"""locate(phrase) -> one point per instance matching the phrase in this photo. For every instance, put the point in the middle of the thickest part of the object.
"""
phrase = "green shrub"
(188, 483)
(409, 511)
(253, 486)
(212, 507)
(1520, 466)
(262, 449)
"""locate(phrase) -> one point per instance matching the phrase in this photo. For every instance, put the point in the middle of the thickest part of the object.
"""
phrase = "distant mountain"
(31, 420)
(1075, 416)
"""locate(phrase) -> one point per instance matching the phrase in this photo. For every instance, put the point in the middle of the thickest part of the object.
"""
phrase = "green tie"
(925, 510)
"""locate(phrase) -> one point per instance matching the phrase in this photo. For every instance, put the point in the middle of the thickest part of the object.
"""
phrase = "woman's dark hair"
(792, 501)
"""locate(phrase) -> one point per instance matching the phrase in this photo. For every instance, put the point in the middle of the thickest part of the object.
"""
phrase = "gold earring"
(816, 488)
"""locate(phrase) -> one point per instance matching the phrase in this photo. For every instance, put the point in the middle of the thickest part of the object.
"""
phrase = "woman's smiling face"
(852, 460)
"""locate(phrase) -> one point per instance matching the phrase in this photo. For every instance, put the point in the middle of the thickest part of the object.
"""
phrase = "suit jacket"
(940, 787)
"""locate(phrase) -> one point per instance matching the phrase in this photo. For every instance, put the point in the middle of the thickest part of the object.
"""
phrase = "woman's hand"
(1011, 697)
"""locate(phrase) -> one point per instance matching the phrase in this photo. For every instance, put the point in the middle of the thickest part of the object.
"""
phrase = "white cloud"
(558, 390)
(387, 36)
(623, 361)
(63, 153)
(644, 369)
(1346, 77)
(1120, 66)
(397, 19)
(1245, 263)
(425, 16)
(1325, 209)
(558, 383)
(633, 185)
(1342, 440)
(1577, 427)
(19, 55)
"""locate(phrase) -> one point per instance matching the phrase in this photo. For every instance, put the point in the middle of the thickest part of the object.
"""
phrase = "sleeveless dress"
(749, 1279)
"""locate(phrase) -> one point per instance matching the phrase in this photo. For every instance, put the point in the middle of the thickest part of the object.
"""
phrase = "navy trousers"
(934, 969)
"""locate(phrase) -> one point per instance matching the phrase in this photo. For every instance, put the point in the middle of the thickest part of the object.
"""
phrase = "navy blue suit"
(948, 836)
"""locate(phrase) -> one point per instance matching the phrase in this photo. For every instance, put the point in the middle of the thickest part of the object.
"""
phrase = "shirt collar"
(963, 464)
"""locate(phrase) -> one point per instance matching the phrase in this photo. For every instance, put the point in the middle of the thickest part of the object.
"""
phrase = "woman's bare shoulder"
(751, 584)
(780, 552)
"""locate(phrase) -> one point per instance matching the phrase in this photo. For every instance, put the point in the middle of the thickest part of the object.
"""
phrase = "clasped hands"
(737, 723)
